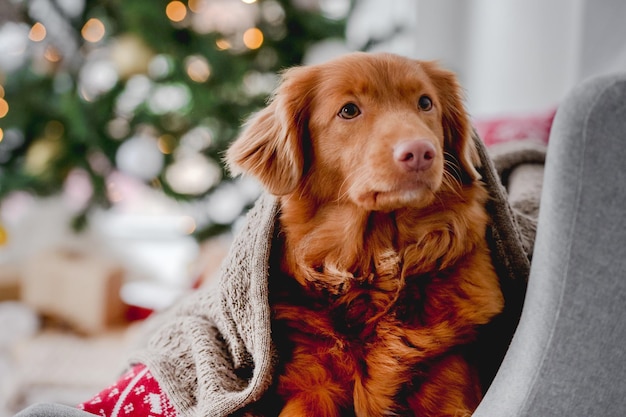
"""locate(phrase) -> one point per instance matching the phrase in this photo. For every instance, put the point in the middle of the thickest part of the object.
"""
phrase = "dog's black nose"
(415, 155)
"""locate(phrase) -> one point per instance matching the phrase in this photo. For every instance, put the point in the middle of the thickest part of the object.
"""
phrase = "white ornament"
(140, 157)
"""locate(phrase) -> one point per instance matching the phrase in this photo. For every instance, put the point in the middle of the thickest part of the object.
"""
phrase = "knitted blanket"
(213, 355)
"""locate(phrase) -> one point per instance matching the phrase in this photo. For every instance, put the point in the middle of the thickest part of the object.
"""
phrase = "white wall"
(512, 56)
(603, 45)
(522, 55)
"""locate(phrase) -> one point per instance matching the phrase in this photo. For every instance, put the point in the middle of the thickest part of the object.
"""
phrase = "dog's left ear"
(271, 145)
(456, 124)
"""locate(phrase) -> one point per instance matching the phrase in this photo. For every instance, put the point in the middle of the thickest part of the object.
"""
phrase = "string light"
(249, 1)
(1, 134)
(222, 44)
(93, 31)
(253, 38)
(4, 108)
(37, 32)
(176, 11)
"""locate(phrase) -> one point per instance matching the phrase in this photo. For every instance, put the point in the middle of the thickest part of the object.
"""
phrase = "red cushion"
(508, 128)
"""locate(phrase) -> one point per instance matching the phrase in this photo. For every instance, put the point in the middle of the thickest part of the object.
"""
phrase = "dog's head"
(377, 130)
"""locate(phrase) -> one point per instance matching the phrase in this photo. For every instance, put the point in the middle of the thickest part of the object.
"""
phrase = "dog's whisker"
(452, 175)
(452, 178)
(452, 163)
(348, 180)
(452, 186)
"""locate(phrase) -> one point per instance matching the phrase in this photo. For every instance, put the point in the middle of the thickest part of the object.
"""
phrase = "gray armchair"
(568, 354)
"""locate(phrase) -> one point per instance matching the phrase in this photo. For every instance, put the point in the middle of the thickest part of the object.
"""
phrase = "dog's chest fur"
(377, 305)
(353, 310)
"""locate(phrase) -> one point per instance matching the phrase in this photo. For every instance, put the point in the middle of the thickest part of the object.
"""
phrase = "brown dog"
(386, 274)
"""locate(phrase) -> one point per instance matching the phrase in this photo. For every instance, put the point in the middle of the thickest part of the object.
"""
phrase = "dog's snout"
(415, 155)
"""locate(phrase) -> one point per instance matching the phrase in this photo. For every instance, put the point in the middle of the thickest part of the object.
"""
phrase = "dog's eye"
(349, 111)
(425, 103)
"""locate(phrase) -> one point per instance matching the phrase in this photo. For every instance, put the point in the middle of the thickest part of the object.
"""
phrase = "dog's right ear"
(271, 144)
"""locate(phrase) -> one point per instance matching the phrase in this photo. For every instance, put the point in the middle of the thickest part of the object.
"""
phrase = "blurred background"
(114, 116)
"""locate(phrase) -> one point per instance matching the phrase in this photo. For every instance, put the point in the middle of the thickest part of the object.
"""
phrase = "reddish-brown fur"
(386, 272)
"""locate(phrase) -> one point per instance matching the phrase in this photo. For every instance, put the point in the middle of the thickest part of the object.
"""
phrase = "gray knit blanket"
(213, 353)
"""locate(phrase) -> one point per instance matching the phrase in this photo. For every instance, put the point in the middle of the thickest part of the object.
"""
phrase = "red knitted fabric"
(135, 394)
(505, 129)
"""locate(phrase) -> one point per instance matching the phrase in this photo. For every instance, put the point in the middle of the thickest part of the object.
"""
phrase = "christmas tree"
(152, 88)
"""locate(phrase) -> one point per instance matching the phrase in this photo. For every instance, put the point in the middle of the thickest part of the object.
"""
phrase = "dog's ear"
(456, 124)
(271, 145)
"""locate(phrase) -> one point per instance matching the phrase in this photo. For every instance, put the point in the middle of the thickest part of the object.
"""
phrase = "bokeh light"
(228, 17)
(37, 32)
(223, 44)
(195, 5)
(93, 31)
(140, 157)
(41, 153)
(52, 54)
(77, 188)
(160, 66)
(193, 174)
(176, 11)
(169, 98)
(197, 68)
(97, 77)
(4, 107)
(197, 139)
(253, 38)
(166, 144)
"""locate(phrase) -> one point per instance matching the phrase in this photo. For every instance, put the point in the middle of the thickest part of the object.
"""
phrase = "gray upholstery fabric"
(567, 357)
(52, 410)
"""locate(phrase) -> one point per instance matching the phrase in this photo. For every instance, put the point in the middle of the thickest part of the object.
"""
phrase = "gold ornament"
(40, 155)
(4, 236)
(130, 55)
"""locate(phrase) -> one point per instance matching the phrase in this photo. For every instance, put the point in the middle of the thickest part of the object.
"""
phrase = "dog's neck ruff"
(340, 246)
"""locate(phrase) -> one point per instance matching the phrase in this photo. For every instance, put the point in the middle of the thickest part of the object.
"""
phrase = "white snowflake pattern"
(154, 400)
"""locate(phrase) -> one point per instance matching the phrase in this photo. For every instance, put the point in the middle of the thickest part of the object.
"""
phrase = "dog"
(383, 274)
